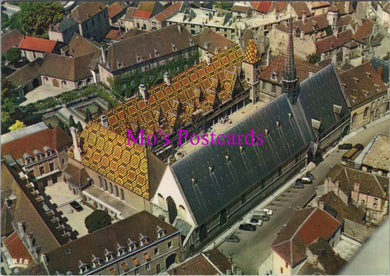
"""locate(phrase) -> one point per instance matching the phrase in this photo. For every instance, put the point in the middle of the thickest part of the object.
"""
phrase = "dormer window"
(161, 232)
(37, 154)
(120, 249)
(174, 47)
(156, 53)
(139, 59)
(132, 245)
(143, 240)
(48, 150)
(274, 76)
(27, 157)
(109, 255)
(96, 261)
(83, 267)
(191, 42)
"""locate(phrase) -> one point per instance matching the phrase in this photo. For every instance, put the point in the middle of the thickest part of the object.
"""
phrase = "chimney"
(167, 78)
(21, 229)
(76, 149)
(143, 92)
(379, 72)
(103, 55)
(321, 205)
(304, 19)
(336, 33)
(104, 120)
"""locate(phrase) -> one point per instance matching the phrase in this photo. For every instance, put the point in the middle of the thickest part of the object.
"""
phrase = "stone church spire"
(290, 79)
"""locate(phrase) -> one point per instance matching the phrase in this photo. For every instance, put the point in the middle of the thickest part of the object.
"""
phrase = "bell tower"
(250, 66)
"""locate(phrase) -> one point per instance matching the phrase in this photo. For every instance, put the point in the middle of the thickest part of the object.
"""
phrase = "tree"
(88, 115)
(96, 220)
(9, 105)
(329, 30)
(72, 123)
(13, 55)
(17, 125)
(79, 127)
(49, 125)
(61, 125)
(36, 17)
(313, 58)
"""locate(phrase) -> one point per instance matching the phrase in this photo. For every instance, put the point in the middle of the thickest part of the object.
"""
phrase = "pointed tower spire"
(290, 79)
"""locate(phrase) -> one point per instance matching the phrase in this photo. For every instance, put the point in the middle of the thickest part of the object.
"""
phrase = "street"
(254, 247)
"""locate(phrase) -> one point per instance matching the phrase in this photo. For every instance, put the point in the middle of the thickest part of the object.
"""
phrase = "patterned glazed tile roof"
(108, 153)
(251, 52)
(197, 90)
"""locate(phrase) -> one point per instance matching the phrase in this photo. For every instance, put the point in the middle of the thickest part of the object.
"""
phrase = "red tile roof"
(332, 42)
(37, 44)
(18, 251)
(363, 33)
(9, 40)
(169, 12)
(261, 6)
(142, 14)
(306, 226)
(54, 138)
(145, 9)
(114, 9)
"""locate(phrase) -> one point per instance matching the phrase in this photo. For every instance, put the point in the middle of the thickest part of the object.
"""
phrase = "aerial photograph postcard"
(195, 137)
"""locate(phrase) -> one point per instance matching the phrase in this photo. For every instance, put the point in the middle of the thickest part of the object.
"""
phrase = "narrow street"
(254, 247)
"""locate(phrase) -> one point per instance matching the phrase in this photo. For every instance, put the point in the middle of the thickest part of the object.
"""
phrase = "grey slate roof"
(376, 62)
(212, 191)
(64, 25)
(317, 96)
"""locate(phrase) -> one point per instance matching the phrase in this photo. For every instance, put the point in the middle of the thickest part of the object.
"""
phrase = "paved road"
(255, 247)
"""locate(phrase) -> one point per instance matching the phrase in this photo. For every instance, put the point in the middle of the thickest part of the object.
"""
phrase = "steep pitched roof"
(231, 175)
(311, 25)
(10, 39)
(129, 165)
(361, 84)
(64, 25)
(66, 258)
(37, 44)
(86, 10)
(68, 68)
(364, 31)
(277, 65)
(78, 176)
(215, 42)
(148, 9)
(332, 42)
(23, 210)
(301, 8)
(306, 226)
(114, 9)
(26, 73)
(54, 138)
(170, 11)
(197, 265)
(198, 88)
(376, 63)
(81, 46)
(148, 46)
(261, 6)
(17, 250)
(251, 53)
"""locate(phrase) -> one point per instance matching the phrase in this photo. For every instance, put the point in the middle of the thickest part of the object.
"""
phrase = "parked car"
(305, 180)
(268, 211)
(359, 146)
(232, 238)
(298, 184)
(76, 206)
(256, 221)
(265, 217)
(247, 227)
(346, 146)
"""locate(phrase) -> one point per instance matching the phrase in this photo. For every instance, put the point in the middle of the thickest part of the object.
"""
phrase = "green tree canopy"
(9, 105)
(313, 58)
(17, 125)
(72, 123)
(79, 127)
(88, 115)
(36, 17)
(13, 55)
(96, 220)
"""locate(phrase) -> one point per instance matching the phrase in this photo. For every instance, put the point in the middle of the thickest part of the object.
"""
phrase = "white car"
(256, 221)
(268, 211)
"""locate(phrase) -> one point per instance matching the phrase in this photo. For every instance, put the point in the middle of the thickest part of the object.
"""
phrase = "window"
(354, 118)
(105, 185)
(158, 268)
(51, 166)
(101, 182)
(286, 264)
(363, 201)
(365, 113)
(116, 191)
(124, 266)
(112, 271)
(135, 262)
(147, 266)
(169, 244)
(156, 251)
(41, 170)
(111, 188)
(122, 194)
(147, 257)
(63, 161)
(281, 270)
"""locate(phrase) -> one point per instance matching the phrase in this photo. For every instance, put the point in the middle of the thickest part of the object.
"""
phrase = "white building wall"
(169, 187)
